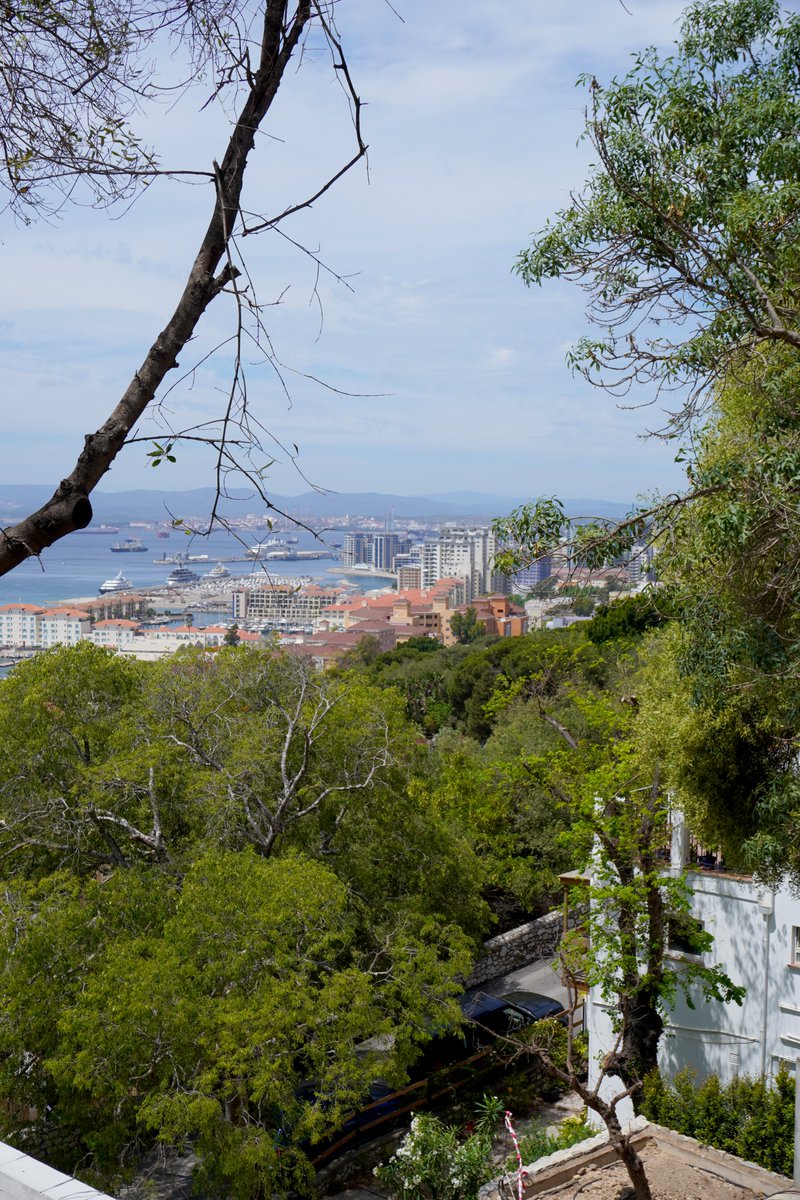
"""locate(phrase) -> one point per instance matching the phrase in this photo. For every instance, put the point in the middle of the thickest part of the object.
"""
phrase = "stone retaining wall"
(519, 947)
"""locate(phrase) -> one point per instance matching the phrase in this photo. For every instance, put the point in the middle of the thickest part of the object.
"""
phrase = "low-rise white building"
(756, 932)
(19, 624)
(23, 625)
(113, 632)
(63, 627)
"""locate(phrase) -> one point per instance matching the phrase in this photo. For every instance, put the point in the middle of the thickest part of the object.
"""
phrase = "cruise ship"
(118, 584)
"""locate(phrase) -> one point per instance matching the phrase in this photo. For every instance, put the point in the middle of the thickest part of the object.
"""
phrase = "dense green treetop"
(234, 871)
(685, 237)
(219, 881)
(628, 618)
(466, 626)
(725, 705)
(133, 1006)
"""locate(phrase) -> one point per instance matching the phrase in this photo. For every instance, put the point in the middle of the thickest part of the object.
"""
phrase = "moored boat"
(118, 584)
(180, 576)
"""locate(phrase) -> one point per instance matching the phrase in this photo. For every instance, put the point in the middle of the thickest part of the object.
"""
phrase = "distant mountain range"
(17, 500)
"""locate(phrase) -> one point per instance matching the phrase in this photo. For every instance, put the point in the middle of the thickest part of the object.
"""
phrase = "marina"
(270, 556)
(78, 565)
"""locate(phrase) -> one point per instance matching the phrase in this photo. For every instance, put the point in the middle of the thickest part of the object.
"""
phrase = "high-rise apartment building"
(384, 550)
(536, 572)
(357, 549)
(638, 562)
(466, 554)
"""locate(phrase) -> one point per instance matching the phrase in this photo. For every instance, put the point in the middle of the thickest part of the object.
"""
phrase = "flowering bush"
(436, 1162)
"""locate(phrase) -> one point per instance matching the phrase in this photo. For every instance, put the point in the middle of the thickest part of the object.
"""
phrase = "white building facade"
(280, 602)
(63, 627)
(756, 932)
(19, 625)
(23, 625)
(466, 554)
(114, 632)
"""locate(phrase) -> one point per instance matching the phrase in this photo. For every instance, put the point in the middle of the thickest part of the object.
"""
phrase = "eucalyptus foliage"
(723, 709)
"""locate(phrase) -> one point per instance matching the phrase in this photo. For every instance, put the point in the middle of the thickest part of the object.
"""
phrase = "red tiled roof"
(66, 612)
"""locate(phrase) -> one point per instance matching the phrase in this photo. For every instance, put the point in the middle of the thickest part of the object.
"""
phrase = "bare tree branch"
(212, 272)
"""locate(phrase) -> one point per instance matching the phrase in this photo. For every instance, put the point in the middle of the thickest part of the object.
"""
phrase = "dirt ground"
(669, 1179)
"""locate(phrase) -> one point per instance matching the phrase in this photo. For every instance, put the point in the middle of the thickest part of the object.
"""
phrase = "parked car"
(538, 1006)
(447, 1063)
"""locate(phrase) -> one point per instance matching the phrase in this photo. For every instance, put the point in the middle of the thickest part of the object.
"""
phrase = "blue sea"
(76, 566)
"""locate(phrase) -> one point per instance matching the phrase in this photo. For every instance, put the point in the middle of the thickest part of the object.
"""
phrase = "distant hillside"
(17, 500)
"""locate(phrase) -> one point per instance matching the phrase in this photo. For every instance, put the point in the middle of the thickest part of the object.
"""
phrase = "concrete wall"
(587, 1160)
(518, 947)
(25, 1178)
(752, 930)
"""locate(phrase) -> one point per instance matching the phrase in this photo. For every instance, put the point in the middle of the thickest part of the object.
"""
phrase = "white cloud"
(501, 356)
(472, 119)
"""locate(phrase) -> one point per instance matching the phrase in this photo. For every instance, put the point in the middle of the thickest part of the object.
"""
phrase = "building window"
(796, 945)
(685, 934)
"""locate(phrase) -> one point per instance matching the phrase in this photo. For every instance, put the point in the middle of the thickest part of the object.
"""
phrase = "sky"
(416, 362)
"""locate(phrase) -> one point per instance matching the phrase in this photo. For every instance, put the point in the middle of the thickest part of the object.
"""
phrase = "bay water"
(76, 566)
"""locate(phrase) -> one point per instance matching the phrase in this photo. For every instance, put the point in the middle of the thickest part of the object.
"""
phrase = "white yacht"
(118, 584)
(218, 572)
(180, 576)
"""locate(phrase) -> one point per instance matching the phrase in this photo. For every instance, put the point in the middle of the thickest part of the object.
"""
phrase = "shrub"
(539, 1142)
(746, 1117)
(437, 1162)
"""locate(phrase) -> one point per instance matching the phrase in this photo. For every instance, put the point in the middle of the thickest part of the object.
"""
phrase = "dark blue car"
(447, 1063)
(539, 1007)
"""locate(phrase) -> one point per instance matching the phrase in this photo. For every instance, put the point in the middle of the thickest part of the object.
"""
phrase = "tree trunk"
(620, 1142)
(69, 508)
(633, 1165)
(643, 1026)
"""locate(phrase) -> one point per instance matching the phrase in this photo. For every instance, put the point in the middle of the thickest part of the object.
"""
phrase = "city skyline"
(453, 373)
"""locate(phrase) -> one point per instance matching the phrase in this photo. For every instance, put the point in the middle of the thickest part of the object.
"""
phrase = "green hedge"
(750, 1118)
